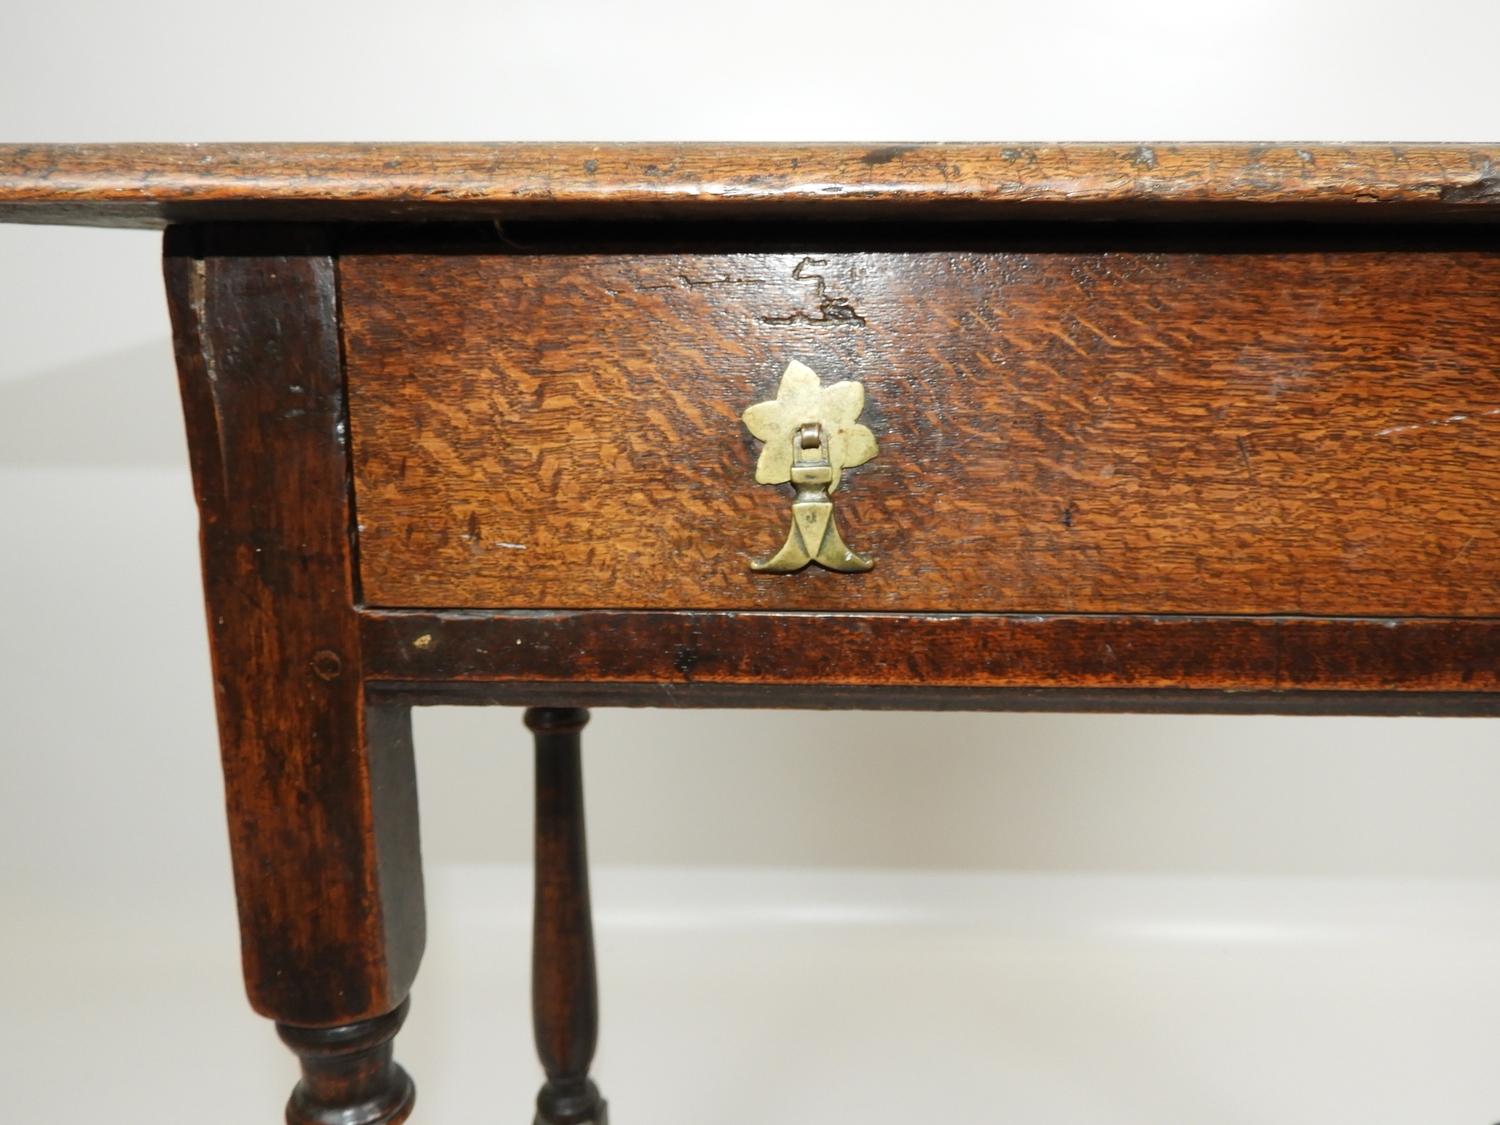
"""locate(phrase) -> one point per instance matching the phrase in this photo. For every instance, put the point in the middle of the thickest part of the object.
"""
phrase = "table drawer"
(1256, 423)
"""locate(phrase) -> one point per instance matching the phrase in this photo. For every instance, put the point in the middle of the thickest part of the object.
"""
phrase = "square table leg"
(319, 777)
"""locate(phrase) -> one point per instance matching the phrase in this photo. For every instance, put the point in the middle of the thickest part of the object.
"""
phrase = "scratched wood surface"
(151, 185)
(869, 660)
(319, 781)
(1231, 430)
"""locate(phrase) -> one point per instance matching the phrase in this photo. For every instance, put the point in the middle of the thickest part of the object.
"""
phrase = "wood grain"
(1229, 428)
(152, 185)
(863, 660)
(319, 781)
(916, 698)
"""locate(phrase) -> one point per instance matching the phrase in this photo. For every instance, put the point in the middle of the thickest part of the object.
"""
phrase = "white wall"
(108, 773)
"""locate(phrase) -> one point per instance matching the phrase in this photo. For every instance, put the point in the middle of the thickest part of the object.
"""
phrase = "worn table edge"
(154, 185)
(915, 661)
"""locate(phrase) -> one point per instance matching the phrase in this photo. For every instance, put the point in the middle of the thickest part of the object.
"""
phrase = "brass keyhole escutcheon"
(812, 435)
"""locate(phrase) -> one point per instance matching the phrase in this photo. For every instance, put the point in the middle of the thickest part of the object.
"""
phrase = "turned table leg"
(564, 991)
(318, 774)
(349, 1073)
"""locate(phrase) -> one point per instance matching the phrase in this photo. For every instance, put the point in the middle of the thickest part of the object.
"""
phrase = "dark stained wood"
(153, 184)
(349, 1076)
(564, 989)
(319, 780)
(1237, 429)
(912, 697)
(658, 652)
(1225, 470)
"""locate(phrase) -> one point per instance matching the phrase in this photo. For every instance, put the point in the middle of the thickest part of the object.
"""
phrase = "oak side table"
(1160, 427)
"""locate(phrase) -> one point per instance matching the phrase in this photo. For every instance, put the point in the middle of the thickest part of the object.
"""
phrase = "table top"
(155, 185)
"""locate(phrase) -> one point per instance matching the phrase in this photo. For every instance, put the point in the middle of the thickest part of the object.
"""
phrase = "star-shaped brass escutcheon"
(812, 434)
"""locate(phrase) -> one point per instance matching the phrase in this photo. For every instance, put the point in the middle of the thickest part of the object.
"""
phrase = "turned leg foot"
(564, 992)
(571, 1102)
(348, 1074)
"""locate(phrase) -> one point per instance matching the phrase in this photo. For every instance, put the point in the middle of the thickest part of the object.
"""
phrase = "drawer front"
(1224, 430)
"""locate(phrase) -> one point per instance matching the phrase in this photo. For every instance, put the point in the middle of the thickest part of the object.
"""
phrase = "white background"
(110, 814)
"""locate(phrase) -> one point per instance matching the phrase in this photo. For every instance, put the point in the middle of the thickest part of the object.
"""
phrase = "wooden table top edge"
(154, 185)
